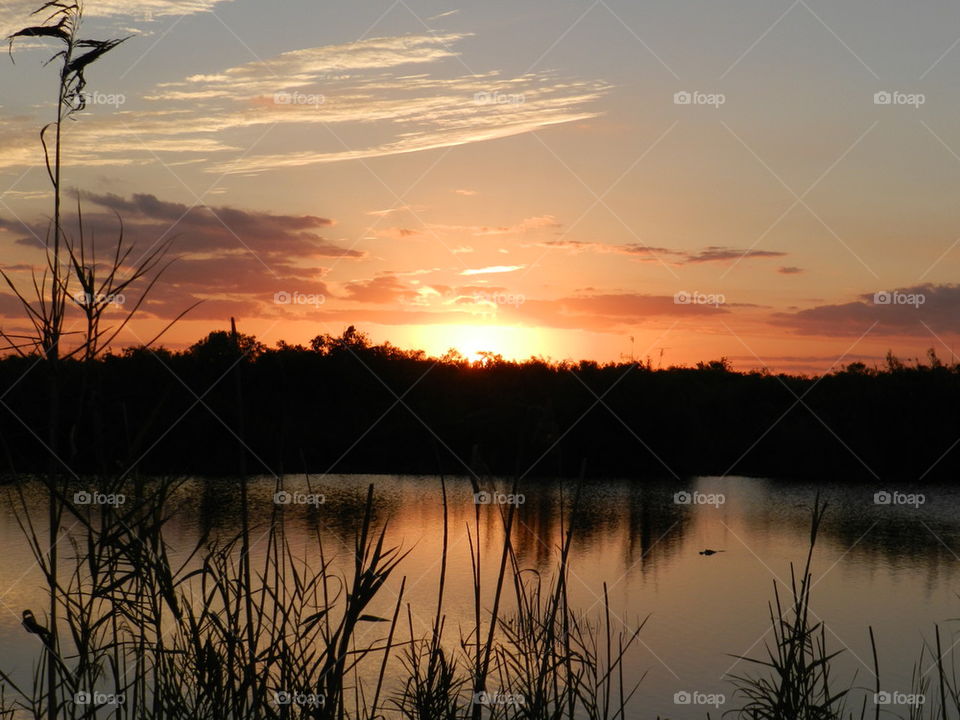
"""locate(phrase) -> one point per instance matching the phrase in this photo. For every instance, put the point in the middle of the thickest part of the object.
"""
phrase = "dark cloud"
(916, 310)
(638, 249)
(233, 259)
(200, 229)
(716, 253)
(790, 270)
(712, 253)
(577, 246)
(207, 228)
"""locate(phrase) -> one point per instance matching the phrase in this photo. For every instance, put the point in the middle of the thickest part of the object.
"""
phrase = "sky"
(773, 182)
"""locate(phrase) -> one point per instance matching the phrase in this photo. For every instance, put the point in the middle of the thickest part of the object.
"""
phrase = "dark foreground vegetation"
(328, 634)
(228, 404)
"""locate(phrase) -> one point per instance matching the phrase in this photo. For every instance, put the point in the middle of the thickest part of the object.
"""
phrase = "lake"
(888, 561)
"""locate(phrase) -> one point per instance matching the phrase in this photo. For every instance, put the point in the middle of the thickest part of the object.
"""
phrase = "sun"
(513, 343)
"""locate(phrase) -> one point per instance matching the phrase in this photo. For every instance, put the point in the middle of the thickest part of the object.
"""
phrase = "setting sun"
(471, 340)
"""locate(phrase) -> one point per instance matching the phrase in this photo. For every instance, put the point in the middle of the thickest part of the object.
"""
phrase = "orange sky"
(680, 182)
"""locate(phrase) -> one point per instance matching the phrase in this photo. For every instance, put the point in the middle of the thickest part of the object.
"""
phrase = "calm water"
(890, 566)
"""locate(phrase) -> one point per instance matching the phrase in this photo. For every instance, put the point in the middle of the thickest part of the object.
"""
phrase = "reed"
(797, 684)
(294, 635)
(295, 638)
(794, 681)
(540, 661)
(301, 634)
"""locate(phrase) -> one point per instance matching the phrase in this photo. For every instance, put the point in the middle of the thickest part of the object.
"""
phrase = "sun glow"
(513, 343)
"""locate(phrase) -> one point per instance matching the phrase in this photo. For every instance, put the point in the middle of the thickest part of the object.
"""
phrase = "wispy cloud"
(448, 13)
(307, 69)
(530, 225)
(368, 87)
(709, 254)
(15, 14)
(715, 253)
(400, 209)
(492, 269)
(423, 113)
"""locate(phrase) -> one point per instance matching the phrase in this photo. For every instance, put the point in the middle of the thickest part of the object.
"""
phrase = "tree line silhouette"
(229, 404)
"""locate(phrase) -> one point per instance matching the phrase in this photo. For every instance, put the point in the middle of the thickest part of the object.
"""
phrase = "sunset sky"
(519, 177)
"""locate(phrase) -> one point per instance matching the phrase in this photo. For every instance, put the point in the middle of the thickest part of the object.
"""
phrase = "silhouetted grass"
(795, 682)
(203, 638)
(297, 638)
